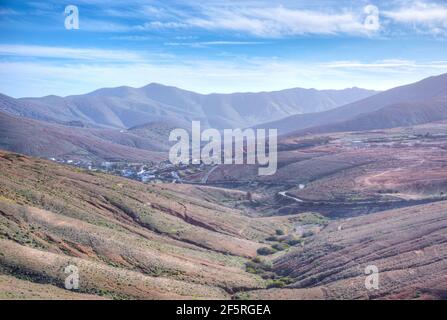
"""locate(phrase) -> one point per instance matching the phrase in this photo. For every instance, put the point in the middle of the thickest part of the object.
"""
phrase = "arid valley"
(350, 191)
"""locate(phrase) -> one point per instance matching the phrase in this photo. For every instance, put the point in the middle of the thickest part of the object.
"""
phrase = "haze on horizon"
(219, 47)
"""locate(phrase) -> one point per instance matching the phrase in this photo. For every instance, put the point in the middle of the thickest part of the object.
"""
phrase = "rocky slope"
(408, 246)
(129, 240)
(43, 139)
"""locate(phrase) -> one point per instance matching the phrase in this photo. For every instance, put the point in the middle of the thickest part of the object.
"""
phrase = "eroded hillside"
(129, 240)
(408, 246)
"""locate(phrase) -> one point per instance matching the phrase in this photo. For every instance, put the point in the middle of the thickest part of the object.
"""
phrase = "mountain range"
(417, 103)
(125, 107)
(126, 123)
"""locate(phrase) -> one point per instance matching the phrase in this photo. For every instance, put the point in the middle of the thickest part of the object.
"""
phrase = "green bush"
(259, 267)
(275, 284)
(256, 260)
(279, 282)
(250, 269)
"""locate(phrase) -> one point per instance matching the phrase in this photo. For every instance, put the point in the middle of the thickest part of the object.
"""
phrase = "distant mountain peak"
(124, 106)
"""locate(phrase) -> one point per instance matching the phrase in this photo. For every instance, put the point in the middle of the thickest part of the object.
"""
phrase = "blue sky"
(219, 46)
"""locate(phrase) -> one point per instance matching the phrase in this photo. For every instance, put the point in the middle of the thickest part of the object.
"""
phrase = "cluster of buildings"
(145, 172)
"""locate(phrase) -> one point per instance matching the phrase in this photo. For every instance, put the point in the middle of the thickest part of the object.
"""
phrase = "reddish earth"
(409, 247)
(337, 204)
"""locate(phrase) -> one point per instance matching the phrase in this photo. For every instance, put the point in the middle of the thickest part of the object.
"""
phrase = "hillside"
(392, 116)
(125, 107)
(129, 240)
(45, 139)
(408, 246)
(168, 241)
(405, 99)
(348, 173)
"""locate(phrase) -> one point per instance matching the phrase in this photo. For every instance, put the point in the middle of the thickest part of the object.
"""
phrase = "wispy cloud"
(198, 44)
(68, 53)
(422, 16)
(260, 19)
(280, 21)
(419, 12)
(271, 21)
(391, 65)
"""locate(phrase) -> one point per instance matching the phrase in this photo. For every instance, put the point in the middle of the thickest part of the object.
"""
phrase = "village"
(150, 172)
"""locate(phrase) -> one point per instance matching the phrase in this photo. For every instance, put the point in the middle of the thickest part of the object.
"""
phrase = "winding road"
(206, 176)
(283, 194)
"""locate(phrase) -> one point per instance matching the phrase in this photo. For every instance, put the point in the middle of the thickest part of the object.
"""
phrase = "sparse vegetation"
(137, 230)
(313, 218)
(308, 233)
(264, 251)
(279, 282)
(279, 232)
(280, 246)
(294, 242)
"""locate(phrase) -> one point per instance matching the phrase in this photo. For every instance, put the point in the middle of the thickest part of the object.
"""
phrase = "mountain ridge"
(426, 89)
(124, 107)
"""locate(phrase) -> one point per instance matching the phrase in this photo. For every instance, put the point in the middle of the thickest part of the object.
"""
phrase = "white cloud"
(392, 65)
(280, 21)
(92, 25)
(198, 44)
(259, 19)
(422, 16)
(68, 53)
(161, 25)
(419, 13)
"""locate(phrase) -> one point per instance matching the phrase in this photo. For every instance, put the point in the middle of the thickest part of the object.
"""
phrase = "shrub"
(293, 242)
(313, 218)
(279, 282)
(264, 251)
(256, 260)
(250, 269)
(257, 266)
(276, 283)
(308, 233)
(280, 246)
(279, 232)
